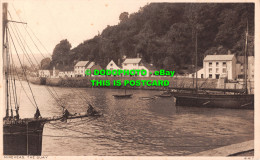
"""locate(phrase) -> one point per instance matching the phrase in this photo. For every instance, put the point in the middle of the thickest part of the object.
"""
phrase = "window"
(217, 70)
(217, 65)
(111, 64)
(224, 70)
(134, 64)
(210, 70)
(210, 64)
(210, 75)
(224, 64)
(125, 64)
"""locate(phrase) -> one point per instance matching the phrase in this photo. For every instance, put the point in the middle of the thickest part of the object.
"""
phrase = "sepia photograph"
(128, 78)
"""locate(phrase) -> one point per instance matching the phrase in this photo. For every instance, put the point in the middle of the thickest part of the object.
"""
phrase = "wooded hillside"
(164, 34)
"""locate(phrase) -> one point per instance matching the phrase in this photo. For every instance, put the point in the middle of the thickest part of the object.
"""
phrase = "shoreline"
(238, 149)
(85, 82)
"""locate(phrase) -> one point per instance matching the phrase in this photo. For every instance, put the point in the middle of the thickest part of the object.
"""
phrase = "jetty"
(238, 149)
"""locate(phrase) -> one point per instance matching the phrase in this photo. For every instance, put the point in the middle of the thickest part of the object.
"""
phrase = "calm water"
(134, 126)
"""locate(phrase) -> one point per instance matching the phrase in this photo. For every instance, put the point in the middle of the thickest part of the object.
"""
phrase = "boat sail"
(23, 136)
(243, 100)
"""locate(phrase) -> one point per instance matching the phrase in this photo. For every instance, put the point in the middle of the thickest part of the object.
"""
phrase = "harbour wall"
(174, 82)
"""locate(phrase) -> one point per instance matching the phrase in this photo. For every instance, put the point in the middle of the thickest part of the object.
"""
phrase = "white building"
(69, 73)
(44, 73)
(137, 63)
(112, 66)
(200, 74)
(219, 65)
(80, 68)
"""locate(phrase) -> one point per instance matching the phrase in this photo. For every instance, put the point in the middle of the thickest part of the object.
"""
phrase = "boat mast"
(245, 68)
(5, 56)
(196, 61)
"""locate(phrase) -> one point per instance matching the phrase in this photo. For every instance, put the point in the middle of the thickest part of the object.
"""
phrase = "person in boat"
(66, 114)
(37, 114)
(91, 111)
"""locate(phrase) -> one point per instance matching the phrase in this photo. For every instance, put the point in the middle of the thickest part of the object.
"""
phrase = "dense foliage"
(165, 34)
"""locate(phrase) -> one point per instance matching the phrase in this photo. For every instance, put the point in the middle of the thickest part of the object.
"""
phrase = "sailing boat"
(238, 101)
(123, 95)
(21, 136)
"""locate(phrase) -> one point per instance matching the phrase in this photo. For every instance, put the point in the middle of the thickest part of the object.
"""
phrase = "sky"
(74, 20)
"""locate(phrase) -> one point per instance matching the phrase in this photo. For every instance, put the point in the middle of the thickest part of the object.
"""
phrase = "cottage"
(93, 66)
(112, 66)
(220, 65)
(138, 63)
(80, 68)
(44, 73)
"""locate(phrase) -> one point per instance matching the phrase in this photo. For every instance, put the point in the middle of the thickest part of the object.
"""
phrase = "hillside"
(164, 34)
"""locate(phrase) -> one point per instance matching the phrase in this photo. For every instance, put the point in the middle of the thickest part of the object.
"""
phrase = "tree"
(60, 56)
(45, 63)
(123, 16)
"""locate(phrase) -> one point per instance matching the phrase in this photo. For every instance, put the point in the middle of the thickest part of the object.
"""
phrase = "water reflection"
(134, 126)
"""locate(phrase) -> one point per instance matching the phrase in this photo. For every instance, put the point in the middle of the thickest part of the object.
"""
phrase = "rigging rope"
(22, 68)
(12, 74)
(19, 33)
(55, 98)
(29, 60)
(22, 85)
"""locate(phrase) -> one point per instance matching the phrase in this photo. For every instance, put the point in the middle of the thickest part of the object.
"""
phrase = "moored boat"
(216, 100)
(123, 95)
(241, 100)
(23, 136)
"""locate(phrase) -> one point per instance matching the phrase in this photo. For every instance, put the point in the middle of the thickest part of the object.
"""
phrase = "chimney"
(137, 55)
(229, 52)
(118, 61)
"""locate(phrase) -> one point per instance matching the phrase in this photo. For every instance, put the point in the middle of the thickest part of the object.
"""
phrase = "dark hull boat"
(164, 95)
(236, 101)
(123, 96)
(216, 101)
(23, 137)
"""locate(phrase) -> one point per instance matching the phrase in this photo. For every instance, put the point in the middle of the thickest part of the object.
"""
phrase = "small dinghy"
(123, 95)
(147, 98)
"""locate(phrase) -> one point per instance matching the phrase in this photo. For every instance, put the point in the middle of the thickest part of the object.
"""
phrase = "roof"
(112, 63)
(81, 63)
(219, 57)
(132, 60)
(149, 67)
(91, 64)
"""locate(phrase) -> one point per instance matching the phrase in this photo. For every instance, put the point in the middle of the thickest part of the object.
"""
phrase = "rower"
(66, 114)
(91, 111)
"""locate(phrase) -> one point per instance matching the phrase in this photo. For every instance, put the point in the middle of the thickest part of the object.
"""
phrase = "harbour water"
(133, 127)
